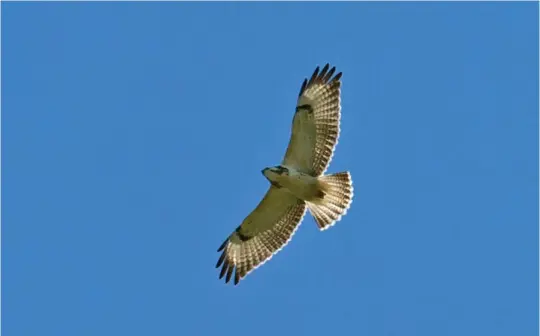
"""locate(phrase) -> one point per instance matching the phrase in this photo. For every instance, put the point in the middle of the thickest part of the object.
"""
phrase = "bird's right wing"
(315, 128)
(262, 234)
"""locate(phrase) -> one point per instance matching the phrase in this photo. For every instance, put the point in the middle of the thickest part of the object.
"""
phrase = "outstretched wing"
(261, 235)
(315, 128)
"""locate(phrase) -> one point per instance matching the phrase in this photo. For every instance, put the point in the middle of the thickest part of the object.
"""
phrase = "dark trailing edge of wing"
(324, 76)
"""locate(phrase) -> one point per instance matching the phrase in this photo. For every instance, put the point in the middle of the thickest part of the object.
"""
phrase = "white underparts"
(301, 185)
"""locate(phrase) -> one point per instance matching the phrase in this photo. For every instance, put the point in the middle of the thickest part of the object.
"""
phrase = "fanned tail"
(336, 198)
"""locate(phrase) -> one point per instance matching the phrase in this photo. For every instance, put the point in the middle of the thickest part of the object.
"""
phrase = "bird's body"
(297, 184)
(301, 185)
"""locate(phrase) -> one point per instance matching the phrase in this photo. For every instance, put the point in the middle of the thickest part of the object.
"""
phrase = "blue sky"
(133, 141)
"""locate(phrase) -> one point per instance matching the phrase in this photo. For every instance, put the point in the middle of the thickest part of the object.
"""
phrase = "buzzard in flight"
(297, 184)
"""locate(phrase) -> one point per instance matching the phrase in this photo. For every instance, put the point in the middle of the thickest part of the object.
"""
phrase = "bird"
(298, 184)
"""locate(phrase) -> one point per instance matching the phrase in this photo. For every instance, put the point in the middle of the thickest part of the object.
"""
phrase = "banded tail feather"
(336, 198)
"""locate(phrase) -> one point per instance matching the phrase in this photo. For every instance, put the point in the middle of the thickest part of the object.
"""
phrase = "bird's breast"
(300, 185)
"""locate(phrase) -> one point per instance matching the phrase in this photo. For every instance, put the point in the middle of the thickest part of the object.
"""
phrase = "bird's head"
(272, 172)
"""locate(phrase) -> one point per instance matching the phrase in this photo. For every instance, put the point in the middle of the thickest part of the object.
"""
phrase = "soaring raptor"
(297, 183)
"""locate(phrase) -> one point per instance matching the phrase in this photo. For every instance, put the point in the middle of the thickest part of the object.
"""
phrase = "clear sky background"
(133, 141)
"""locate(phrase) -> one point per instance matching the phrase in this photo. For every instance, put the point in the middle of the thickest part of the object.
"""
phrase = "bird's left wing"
(261, 235)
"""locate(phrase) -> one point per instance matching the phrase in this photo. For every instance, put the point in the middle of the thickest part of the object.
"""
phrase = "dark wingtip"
(224, 269)
(236, 277)
(223, 245)
(221, 259)
(315, 73)
(323, 71)
(304, 85)
(324, 77)
(329, 74)
(229, 273)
